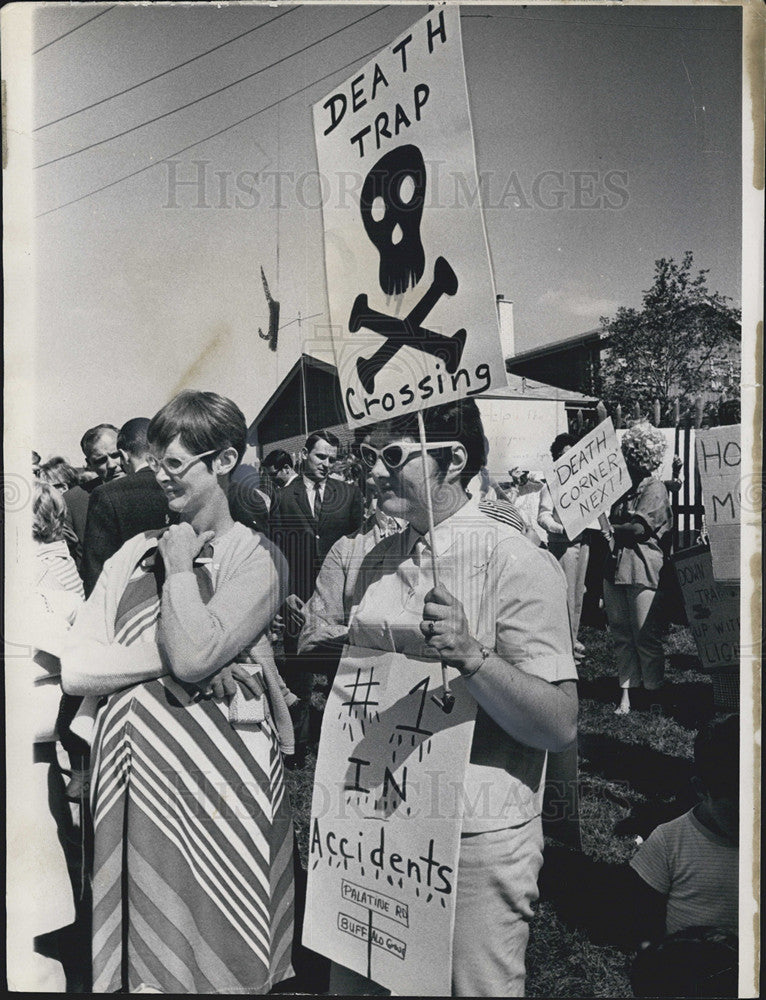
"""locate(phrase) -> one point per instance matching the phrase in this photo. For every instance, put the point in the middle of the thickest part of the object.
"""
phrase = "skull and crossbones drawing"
(397, 185)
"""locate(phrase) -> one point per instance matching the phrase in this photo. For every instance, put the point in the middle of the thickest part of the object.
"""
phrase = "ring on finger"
(431, 629)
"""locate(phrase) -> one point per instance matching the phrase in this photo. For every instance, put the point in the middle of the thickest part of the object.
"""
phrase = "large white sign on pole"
(588, 478)
(385, 821)
(719, 460)
(410, 288)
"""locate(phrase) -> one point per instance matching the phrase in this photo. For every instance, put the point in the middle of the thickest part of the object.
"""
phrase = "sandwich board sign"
(410, 287)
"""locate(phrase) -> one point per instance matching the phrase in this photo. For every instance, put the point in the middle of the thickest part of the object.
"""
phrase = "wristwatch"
(485, 651)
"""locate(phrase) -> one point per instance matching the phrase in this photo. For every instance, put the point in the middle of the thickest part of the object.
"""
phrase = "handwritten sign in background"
(520, 432)
(588, 478)
(712, 608)
(412, 94)
(719, 460)
(385, 821)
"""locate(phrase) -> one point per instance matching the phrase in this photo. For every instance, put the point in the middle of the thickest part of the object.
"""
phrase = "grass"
(634, 773)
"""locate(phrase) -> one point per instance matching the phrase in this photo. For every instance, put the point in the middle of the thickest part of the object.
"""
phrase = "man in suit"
(278, 466)
(309, 515)
(123, 507)
(99, 446)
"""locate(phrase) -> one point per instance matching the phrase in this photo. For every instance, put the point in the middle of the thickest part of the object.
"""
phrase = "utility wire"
(601, 24)
(198, 100)
(71, 30)
(165, 72)
(213, 135)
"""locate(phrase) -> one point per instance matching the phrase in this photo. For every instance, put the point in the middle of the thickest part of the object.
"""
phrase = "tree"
(684, 342)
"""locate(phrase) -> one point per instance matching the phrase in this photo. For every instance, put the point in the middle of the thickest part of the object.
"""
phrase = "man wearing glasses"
(124, 507)
(99, 446)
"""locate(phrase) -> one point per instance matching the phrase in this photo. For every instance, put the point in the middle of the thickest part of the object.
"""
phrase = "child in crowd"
(687, 871)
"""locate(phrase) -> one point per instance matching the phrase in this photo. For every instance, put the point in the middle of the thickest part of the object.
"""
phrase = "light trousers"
(573, 559)
(496, 891)
(632, 613)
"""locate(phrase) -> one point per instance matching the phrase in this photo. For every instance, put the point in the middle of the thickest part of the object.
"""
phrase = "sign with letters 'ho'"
(385, 821)
(588, 478)
(410, 288)
(719, 460)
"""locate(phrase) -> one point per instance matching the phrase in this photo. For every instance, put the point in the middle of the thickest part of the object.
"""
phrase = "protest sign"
(719, 460)
(588, 478)
(385, 821)
(519, 432)
(409, 282)
(712, 608)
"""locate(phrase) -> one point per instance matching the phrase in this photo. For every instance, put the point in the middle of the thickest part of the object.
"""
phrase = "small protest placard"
(719, 460)
(385, 821)
(712, 608)
(410, 287)
(588, 478)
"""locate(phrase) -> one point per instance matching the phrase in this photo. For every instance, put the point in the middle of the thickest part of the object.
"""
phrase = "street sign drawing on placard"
(588, 479)
(410, 288)
(385, 821)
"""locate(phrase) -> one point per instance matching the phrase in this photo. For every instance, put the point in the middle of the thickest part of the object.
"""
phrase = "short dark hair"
(92, 435)
(716, 757)
(277, 459)
(57, 471)
(458, 420)
(560, 442)
(132, 437)
(48, 513)
(327, 436)
(35, 457)
(204, 421)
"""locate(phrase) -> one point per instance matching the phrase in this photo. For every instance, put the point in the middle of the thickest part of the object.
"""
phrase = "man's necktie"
(317, 500)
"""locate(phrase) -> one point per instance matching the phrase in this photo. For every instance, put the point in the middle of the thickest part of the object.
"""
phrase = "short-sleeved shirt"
(697, 871)
(514, 597)
(640, 562)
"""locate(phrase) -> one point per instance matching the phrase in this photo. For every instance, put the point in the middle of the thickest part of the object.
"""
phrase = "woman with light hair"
(639, 522)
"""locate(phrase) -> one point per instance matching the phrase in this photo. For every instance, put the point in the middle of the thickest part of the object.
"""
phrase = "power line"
(601, 24)
(213, 135)
(198, 100)
(165, 72)
(71, 30)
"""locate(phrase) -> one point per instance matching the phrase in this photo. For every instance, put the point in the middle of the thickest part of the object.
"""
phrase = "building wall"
(574, 368)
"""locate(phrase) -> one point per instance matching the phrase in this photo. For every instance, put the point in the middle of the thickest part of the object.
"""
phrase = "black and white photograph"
(383, 600)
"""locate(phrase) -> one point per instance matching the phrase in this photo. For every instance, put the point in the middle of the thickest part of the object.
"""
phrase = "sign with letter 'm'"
(712, 608)
(411, 293)
(588, 478)
(385, 821)
(719, 460)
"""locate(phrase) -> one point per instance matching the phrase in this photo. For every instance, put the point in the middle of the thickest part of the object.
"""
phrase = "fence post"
(637, 411)
(657, 413)
(698, 412)
(601, 411)
(676, 412)
(618, 417)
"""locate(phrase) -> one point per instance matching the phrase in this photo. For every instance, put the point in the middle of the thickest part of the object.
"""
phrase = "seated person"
(687, 871)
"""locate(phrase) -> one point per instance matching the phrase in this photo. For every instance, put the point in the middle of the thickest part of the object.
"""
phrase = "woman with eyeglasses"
(193, 844)
(499, 616)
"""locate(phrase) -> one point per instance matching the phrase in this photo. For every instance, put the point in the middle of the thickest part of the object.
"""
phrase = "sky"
(606, 137)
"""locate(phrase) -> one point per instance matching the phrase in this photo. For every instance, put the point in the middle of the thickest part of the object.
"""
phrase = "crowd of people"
(185, 594)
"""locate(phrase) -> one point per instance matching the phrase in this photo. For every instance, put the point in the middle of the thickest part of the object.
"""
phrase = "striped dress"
(193, 852)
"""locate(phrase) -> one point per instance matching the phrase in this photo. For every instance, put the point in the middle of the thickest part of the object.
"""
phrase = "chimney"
(505, 315)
